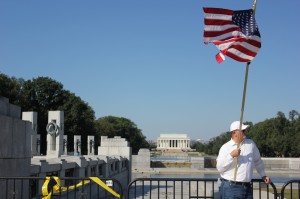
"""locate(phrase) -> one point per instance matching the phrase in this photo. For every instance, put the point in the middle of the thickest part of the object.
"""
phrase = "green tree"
(293, 115)
(79, 120)
(296, 149)
(41, 95)
(214, 144)
(262, 134)
(282, 133)
(294, 138)
(10, 88)
(199, 146)
(118, 126)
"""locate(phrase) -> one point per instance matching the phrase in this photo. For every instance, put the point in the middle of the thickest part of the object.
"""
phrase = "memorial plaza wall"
(19, 151)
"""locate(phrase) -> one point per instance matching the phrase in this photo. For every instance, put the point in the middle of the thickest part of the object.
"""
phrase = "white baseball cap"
(236, 126)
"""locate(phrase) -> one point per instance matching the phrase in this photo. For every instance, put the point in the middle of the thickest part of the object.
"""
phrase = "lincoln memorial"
(173, 141)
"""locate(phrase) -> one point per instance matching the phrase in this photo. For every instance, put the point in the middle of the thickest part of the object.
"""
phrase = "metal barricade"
(262, 190)
(291, 189)
(62, 188)
(186, 188)
(141, 188)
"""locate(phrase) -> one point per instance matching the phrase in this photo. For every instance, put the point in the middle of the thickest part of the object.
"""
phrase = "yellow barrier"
(57, 187)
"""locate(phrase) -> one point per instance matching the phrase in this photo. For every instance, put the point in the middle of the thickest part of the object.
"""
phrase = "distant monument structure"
(173, 141)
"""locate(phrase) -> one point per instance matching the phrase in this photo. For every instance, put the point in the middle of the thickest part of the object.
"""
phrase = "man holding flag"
(236, 35)
(249, 157)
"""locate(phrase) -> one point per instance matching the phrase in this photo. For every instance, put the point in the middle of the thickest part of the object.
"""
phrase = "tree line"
(275, 137)
(44, 94)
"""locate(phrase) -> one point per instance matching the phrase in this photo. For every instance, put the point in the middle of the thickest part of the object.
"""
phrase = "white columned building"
(173, 141)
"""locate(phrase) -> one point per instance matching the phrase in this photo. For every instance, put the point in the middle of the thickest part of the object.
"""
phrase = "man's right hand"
(235, 153)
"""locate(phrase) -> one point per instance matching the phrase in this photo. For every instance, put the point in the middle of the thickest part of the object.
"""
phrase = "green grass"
(295, 193)
(287, 192)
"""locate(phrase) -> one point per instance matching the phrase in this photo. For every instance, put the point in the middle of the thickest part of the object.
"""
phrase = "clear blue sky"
(146, 61)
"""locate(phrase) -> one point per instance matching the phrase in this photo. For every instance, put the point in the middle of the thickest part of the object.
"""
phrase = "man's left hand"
(266, 179)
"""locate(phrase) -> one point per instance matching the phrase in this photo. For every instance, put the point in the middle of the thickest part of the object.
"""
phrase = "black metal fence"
(140, 188)
(63, 188)
(291, 189)
(186, 188)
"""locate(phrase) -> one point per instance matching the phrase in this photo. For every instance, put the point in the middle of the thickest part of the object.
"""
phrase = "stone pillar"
(91, 145)
(43, 175)
(116, 146)
(62, 172)
(55, 130)
(142, 160)
(82, 165)
(77, 145)
(32, 117)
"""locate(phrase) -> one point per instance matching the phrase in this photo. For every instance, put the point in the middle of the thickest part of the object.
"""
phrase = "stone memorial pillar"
(65, 145)
(91, 145)
(77, 145)
(55, 130)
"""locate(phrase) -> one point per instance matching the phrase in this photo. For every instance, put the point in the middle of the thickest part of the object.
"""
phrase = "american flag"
(234, 33)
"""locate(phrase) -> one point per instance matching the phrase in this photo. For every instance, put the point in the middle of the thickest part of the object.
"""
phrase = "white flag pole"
(243, 105)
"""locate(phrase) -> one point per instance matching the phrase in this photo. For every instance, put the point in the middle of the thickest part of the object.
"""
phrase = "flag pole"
(243, 105)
